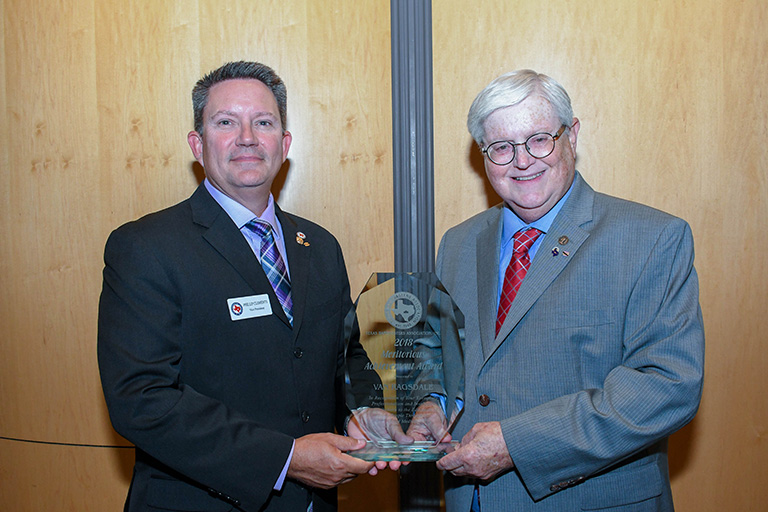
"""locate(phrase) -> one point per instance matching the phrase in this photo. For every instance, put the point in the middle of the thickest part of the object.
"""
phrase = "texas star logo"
(403, 310)
(237, 309)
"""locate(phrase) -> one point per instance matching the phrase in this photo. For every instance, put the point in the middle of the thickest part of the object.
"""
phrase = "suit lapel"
(222, 234)
(567, 234)
(298, 262)
(487, 257)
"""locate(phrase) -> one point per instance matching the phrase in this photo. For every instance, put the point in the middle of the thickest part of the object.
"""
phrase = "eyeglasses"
(538, 145)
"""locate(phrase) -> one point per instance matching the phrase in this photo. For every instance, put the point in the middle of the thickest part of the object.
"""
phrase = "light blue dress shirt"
(241, 216)
(511, 224)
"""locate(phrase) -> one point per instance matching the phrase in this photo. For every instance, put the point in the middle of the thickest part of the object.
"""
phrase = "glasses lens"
(501, 152)
(540, 145)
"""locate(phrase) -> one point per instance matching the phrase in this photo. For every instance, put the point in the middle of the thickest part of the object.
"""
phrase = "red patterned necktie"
(516, 270)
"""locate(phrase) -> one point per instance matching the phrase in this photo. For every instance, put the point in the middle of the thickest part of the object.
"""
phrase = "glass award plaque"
(404, 367)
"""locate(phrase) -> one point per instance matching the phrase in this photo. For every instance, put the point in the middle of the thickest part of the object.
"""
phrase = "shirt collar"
(241, 215)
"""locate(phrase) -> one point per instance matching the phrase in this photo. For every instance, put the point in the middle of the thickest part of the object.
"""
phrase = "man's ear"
(287, 139)
(195, 141)
(573, 133)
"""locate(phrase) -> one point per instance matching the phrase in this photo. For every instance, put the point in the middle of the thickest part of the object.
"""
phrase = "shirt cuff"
(281, 479)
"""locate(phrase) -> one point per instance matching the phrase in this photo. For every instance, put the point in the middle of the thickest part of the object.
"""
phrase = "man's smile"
(527, 178)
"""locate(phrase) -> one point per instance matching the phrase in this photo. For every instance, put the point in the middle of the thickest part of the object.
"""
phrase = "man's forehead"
(233, 94)
(524, 117)
(242, 86)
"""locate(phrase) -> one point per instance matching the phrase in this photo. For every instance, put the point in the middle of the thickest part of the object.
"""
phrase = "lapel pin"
(301, 239)
(563, 240)
(555, 251)
(566, 253)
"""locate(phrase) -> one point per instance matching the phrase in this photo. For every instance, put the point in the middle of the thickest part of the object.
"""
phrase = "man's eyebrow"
(223, 113)
(264, 113)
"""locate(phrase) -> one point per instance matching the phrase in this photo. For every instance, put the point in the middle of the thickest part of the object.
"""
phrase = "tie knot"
(260, 227)
(524, 240)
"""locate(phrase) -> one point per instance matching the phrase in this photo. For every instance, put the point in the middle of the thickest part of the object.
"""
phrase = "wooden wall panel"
(95, 102)
(38, 477)
(672, 101)
(97, 106)
(49, 239)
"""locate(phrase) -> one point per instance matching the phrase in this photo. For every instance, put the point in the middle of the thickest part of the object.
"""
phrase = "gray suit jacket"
(600, 358)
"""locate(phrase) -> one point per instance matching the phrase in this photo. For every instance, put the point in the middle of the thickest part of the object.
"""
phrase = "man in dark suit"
(220, 326)
(578, 369)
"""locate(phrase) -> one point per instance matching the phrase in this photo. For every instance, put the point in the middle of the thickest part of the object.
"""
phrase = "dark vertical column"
(413, 179)
(412, 127)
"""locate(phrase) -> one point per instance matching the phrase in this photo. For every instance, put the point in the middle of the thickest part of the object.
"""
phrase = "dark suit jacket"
(211, 403)
(600, 358)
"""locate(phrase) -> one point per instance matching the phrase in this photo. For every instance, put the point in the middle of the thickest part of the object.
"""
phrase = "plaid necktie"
(518, 266)
(273, 265)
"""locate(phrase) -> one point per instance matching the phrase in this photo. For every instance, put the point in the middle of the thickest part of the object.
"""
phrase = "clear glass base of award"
(404, 368)
(419, 451)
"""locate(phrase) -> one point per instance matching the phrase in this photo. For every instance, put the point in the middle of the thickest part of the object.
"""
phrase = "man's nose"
(247, 137)
(523, 158)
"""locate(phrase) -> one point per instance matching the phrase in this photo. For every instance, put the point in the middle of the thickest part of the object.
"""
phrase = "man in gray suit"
(575, 379)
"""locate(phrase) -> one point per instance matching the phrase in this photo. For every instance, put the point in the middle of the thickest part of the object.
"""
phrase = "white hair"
(512, 88)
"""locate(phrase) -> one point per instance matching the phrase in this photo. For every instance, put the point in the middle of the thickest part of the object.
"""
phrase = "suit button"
(484, 400)
(305, 416)
(297, 353)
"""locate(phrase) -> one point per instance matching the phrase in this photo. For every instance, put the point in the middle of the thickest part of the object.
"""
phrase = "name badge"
(252, 306)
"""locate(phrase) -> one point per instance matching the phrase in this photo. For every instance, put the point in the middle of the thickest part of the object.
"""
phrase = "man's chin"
(529, 211)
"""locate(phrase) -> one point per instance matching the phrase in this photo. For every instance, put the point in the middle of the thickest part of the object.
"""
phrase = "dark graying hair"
(512, 88)
(233, 71)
